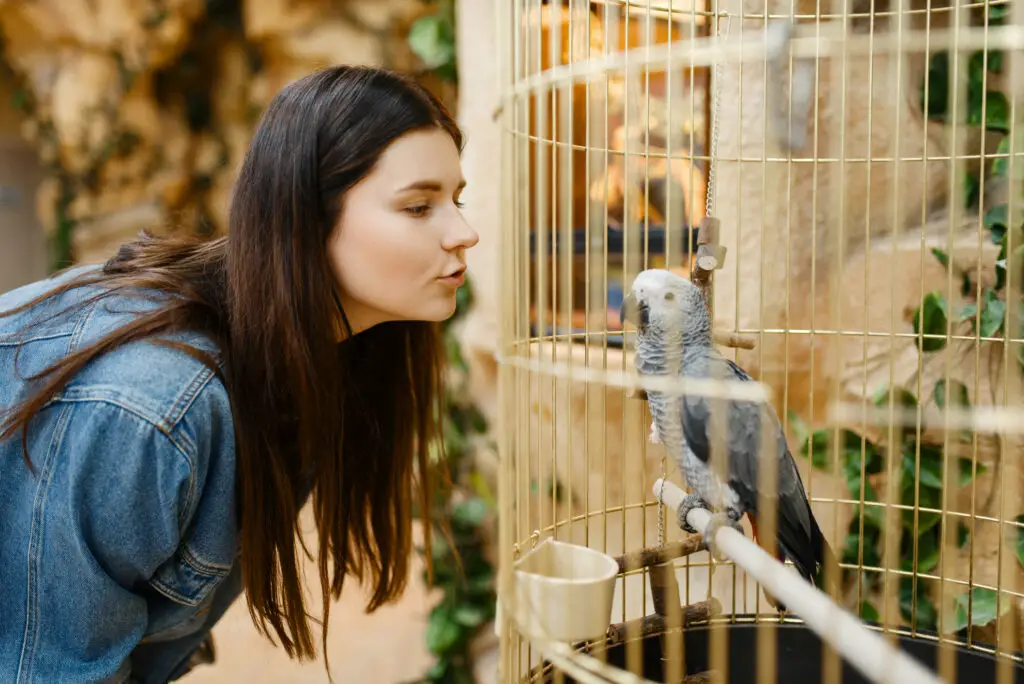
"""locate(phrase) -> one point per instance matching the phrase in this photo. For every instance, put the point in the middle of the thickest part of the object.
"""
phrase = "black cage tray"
(799, 657)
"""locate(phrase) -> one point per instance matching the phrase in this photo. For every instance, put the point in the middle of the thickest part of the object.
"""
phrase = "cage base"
(798, 657)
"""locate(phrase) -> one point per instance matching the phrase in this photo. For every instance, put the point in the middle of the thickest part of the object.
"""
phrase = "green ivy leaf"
(927, 497)
(850, 446)
(972, 189)
(869, 612)
(931, 466)
(997, 107)
(469, 513)
(943, 258)
(1001, 165)
(958, 398)
(928, 549)
(851, 543)
(1001, 262)
(443, 633)
(817, 448)
(957, 393)
(993, 313)
(997, 220)
(1020, 539)
(437, 671)
(901, 397)
(926, 616)
(931, 319)
(995, 61)
(481, 584)
(969, 313)
(963, 534)
(432, 39)
(997, 112)
(938, 86)
(874, 516)
(966, 470)
(982, 604)
(469, 615)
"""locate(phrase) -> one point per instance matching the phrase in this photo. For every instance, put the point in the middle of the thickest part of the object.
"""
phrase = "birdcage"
(844, 182)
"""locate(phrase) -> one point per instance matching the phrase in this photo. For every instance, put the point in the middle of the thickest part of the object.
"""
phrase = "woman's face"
(399, 247)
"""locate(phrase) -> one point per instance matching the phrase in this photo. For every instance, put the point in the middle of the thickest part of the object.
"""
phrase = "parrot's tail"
(824, 556)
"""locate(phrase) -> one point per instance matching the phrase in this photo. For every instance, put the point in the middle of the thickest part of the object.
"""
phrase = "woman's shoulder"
(163, 383)
(158, 382)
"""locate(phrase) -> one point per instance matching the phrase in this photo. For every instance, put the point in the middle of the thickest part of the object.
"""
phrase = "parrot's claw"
(655, 435)
(690, 501)
(717, 521)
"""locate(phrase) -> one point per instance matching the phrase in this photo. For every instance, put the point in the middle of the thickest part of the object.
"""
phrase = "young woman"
(166, 415)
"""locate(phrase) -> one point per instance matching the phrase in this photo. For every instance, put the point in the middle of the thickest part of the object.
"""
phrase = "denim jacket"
(117, 554)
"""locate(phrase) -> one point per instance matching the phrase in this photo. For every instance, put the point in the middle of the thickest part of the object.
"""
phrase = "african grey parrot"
(674, 337)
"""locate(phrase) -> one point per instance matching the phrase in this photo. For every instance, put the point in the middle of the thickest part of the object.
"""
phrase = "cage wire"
(845, 182)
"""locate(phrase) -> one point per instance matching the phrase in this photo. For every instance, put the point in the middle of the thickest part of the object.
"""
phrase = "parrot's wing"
(742, 432)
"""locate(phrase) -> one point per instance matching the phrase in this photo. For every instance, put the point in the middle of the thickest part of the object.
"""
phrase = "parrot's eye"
(669, 296)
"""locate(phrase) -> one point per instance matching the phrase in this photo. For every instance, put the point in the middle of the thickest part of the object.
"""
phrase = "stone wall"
(141, 112)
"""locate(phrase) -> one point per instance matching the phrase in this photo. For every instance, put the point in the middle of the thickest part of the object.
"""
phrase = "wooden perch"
(733, 340)
(651, 625)
(710, 255)
(655, 555)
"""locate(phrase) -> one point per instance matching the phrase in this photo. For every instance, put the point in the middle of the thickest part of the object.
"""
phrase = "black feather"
(797, 532)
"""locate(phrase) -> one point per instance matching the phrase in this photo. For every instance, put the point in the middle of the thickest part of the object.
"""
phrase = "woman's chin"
(441, 309)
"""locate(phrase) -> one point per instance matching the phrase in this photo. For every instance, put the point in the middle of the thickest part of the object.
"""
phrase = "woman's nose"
(461, 236)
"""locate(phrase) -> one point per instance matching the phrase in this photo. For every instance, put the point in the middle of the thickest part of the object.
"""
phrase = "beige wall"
(23, 253)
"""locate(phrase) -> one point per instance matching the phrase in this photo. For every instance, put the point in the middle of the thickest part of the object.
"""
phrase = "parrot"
(673, 337)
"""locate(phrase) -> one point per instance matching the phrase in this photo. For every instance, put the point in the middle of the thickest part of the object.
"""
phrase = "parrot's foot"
(690, 501)
(655, 435)
(717, 521)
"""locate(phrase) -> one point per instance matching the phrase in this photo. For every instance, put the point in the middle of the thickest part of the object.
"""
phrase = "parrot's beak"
(627, 310)
(631, 310)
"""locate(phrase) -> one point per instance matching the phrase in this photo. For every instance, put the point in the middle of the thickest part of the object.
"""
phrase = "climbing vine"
(923, 469)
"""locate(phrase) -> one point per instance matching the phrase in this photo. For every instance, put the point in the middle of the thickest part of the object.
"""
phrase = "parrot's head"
(661, 301)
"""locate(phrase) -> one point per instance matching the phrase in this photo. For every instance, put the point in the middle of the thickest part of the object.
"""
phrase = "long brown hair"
(352, 421)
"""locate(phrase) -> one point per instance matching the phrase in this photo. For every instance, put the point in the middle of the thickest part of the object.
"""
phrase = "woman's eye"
(419, 211)
(459, 204)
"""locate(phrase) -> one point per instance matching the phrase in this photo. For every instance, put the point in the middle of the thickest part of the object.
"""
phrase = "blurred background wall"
(23, 255)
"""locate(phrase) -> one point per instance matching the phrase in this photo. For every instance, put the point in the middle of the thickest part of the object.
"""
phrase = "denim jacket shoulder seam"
(186, 398)
(75, 333)
(88, 394)
(15, 340)
(79, 330)
(83, 395)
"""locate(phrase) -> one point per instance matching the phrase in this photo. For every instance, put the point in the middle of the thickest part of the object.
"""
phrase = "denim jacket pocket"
(190, 585)
(187, 580)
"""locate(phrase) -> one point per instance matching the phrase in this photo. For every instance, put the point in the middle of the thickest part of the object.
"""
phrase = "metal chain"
(716, 105)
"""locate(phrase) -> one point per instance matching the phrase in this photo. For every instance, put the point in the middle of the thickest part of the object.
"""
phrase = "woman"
(166, 415)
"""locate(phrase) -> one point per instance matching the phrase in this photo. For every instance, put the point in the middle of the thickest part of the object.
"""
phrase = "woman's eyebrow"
(435, 186)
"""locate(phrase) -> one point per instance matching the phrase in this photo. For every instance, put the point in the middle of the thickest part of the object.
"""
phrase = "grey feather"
(674, 338)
